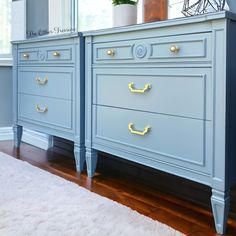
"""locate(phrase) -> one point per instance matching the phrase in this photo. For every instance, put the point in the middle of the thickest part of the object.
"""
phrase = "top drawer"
(181, 48)
(58, 54)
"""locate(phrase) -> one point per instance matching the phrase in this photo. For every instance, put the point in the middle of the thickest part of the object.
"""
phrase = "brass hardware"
(111, 52)
(56, 54)
(146, 130)
(26, 55)
(133, 90)
(41, 81)
(174, 49)
(41, 110)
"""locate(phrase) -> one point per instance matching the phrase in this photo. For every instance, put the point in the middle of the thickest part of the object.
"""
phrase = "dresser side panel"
(219, 104)
(231, 104)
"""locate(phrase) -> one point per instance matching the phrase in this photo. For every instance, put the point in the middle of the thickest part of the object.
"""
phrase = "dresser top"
(48, 38)
(165, 23)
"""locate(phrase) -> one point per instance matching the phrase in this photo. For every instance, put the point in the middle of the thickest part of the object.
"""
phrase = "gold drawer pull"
(41, 81)
(56, 54)
(133, 90)
(146, 130)
(111, 52)
(41, 110)
(26, 56)
(174, 49)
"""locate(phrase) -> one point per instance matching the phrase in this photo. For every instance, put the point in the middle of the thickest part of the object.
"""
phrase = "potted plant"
(154, 10)
(124, 12)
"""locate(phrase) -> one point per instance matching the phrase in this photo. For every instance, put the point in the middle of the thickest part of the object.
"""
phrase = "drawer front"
(60, 53)
(181, 92)
(28, 55)
(182, 48)
(156, 136)
(45, 111)
(51, 82)
(53, 54)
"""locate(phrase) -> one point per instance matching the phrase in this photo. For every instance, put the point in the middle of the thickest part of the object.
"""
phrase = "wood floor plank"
(185, 216)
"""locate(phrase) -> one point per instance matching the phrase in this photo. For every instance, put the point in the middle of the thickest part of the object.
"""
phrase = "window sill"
(6, 62)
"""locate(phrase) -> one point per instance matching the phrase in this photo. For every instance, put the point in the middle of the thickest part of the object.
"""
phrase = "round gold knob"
(26, 55)
(111, 52)
(56, 54)
(174, 49)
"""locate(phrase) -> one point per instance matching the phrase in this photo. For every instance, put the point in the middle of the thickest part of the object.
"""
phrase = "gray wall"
(37, 17)
(5, 96)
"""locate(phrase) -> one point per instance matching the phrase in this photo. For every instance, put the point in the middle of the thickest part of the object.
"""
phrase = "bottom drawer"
(170, 139)
(43, 110)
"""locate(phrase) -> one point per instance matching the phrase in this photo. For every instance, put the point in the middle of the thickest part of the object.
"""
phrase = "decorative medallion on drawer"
(41, 55)
(140, 50)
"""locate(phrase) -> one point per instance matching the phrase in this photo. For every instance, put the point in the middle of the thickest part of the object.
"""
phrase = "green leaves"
(119, 2)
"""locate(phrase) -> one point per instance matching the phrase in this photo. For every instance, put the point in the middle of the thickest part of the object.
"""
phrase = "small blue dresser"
(163, 94)
(49, 89)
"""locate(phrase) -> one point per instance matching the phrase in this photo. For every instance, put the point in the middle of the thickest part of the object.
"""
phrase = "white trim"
(37, 139)
(6, 62)
(6, 133)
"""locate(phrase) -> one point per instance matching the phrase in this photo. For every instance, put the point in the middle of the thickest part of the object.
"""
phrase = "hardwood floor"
(189, 218)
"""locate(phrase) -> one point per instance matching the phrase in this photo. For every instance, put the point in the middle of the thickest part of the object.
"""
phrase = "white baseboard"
(36, 139)
(6, 133)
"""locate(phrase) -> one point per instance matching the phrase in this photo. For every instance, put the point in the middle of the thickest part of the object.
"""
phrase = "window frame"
(6, 58)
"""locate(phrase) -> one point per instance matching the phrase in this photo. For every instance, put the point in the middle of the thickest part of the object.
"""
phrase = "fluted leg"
(17, 130)
(220, 207)
(79, 152)
(91, 161)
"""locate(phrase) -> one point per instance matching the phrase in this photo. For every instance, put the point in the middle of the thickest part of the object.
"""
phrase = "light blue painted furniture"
(49, 89)
(163, 94)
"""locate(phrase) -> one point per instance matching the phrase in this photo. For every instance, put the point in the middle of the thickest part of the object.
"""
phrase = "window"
(5, 28)
(175, 8)
(94, 14)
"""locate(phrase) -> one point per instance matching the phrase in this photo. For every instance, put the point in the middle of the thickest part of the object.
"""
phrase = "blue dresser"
(163, 95)
(49, 89)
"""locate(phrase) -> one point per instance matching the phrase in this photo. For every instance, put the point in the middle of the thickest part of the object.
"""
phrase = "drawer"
(43, 81)
(180, 48)
(60, 53)
(155, 136)
(45, 111)
(28, 55)
(183, 92)
(57, 54)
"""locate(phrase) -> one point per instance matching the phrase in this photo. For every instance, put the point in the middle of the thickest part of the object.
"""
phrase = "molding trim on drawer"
(194, 48)
(6, 133)
(177, 48)
(37, 139)
(102, 53)
(49, 54)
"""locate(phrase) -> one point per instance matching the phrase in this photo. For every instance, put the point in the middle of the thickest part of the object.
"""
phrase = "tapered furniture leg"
(79, 153)
(17, 130)
(91, 161)
(220, 207)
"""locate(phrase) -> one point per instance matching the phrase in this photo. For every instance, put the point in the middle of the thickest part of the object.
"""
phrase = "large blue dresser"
(163, 94)
(49, 89)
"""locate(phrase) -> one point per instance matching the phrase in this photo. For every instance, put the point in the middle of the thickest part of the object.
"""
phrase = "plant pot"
(124, 14)
(154, 10)
(232, 5)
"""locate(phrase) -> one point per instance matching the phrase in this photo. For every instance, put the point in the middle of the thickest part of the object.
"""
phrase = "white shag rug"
(34, 202)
